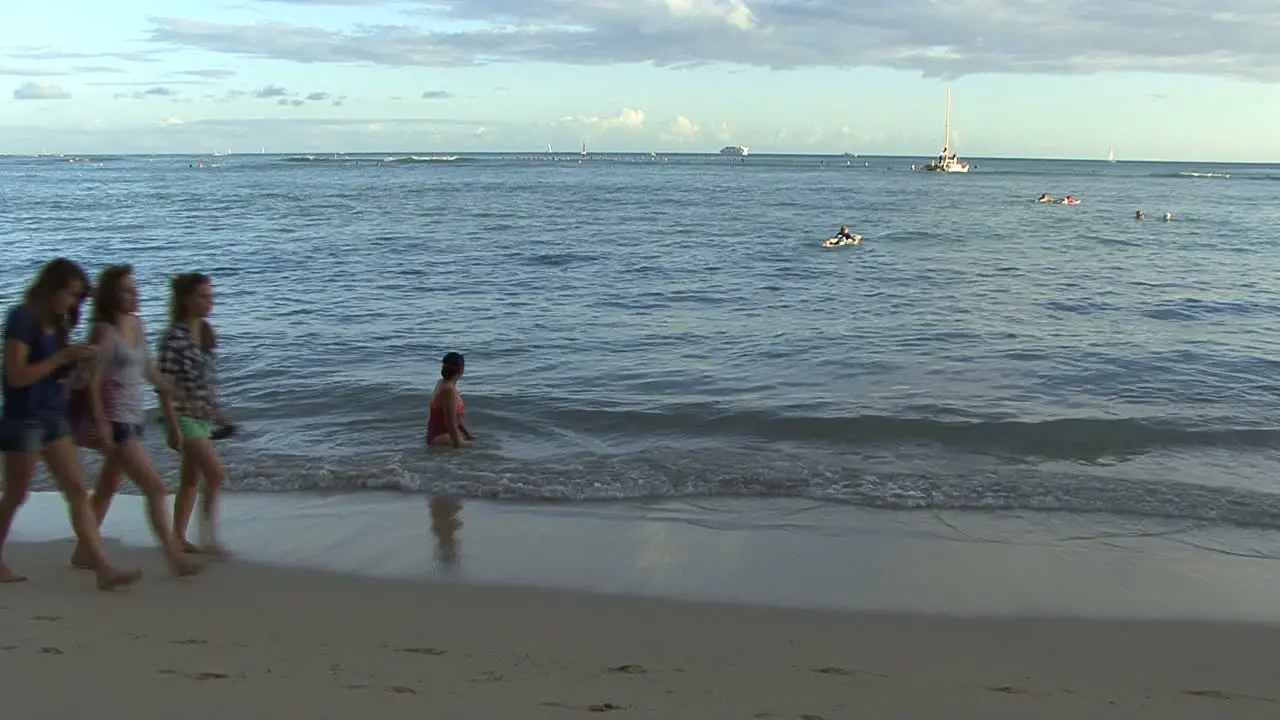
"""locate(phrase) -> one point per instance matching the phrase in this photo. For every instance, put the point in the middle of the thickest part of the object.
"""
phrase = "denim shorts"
(30, 436)
(122, 433)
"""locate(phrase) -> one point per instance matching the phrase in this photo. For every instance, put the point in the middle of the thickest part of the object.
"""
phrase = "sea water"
(642, 327)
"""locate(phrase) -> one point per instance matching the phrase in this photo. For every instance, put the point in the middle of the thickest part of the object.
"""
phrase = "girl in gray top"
(112, 422)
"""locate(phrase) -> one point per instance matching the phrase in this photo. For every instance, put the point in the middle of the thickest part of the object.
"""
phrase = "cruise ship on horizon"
(735, 150)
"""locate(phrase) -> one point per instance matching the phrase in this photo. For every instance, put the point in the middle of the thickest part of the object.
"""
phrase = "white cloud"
(681, 130)
(38, 91)
(171, 121)
(1229, 38)
(626, 119)
(733, 12)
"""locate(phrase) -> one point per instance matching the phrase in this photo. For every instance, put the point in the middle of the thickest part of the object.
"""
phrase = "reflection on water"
(445, 525)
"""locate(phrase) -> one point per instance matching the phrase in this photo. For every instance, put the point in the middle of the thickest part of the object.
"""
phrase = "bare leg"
(108, 484)
(64, 464)
(131, 458)
(215, 476)
(444, 441)
(184, 501)
(18, 469)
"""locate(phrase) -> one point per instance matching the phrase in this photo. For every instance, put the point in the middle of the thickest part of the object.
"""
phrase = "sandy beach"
(249, 639)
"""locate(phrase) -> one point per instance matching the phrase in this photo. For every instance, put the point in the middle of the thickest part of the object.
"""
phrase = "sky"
(1151, 79)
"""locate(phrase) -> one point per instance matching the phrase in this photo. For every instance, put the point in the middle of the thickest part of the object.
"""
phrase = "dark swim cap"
(453, 358)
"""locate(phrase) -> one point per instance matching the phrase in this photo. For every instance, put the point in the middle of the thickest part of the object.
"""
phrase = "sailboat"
(1111, 156)
(946, 160)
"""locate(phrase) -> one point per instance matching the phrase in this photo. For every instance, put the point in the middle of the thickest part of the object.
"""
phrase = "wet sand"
(426, 632)
(770, 552)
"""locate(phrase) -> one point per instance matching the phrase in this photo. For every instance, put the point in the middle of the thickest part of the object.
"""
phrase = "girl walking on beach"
(37, 361)
(444, 423)
(111, 411)
(186, 356)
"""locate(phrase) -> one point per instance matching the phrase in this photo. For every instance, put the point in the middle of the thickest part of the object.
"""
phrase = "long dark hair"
(107, 305)
(208, 338)
(182, 287)
(57, 275)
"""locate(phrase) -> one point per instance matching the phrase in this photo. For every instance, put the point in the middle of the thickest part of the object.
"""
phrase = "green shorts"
(194, 428)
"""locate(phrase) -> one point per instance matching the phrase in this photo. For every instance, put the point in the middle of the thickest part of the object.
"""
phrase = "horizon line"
(573, 153)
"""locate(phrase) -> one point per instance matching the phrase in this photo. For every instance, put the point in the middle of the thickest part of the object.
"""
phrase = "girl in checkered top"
(186, 356)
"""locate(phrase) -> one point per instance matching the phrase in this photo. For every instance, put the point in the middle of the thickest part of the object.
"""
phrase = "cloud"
(36, 91)
(146, 84)
(211, 73)
(171, 121)
(334, 3)
(681, 130)
(43, 52)
(1234, 38)
(297, 122)
(152, 92)
(294, 102)
(95, 69)
(436, 95)
(270, 91)
(627, 119)
(318, 96)
(29, 72)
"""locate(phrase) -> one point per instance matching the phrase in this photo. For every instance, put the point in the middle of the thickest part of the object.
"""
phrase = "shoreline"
(244, 637)
(778, 553)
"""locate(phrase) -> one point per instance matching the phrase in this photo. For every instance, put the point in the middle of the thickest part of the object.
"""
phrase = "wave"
(420, 158)
(671, 474)
(1079, 439)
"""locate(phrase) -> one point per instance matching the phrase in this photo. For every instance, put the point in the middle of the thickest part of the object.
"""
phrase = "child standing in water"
(444, 423)
(186, 356)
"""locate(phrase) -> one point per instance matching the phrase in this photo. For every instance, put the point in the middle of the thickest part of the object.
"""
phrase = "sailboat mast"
(947, 145)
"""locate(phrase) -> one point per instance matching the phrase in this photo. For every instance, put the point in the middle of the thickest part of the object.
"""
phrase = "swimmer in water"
(844, 233)
(444, 422)
(1140, 215)
(1168, 217)
(1045, 198)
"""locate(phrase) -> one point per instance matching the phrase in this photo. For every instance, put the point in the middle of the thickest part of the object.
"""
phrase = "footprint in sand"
(629, 669)
(487, 676)
(401, 690)
(51, 650)
(844, 672)
(434, 652)
(45, 618)
(189, 641)
(595, 708)
(203, 675)
(1219, 695)
(1009, 690)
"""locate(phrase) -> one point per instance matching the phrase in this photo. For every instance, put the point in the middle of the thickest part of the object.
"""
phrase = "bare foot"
(9, 576)
(215, 549)
(82, 559)
(189, 548)
(185, 568)
(111, 578)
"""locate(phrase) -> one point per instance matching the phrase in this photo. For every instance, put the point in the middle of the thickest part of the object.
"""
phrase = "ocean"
(641, 328)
